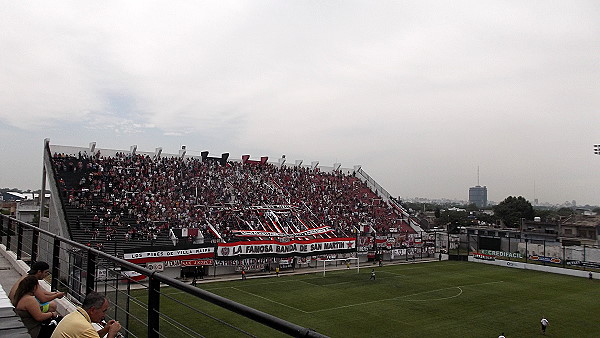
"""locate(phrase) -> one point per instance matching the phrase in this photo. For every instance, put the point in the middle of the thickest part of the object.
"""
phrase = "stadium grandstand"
(116, 218)
(114, 200)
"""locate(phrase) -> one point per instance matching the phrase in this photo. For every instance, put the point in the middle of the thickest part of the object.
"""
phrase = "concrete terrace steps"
(10, 323)
(83, 233)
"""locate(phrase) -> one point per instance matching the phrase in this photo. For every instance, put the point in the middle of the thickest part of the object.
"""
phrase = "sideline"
(537, 267)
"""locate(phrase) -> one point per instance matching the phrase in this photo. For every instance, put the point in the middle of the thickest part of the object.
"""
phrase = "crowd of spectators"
(150, 195)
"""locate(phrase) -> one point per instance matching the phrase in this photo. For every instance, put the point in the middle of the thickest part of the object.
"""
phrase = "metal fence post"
(458, 245)
(468, 244)
(55, 263)
(153, 307)
(127, 304)
(544, 252)
(19, 241)
(1, 228)
(526, 252)
(35, 237)
(91, 272)
(8, 235)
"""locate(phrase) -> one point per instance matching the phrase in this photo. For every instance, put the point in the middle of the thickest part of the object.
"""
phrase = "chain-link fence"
(515, 248)
(402, 246)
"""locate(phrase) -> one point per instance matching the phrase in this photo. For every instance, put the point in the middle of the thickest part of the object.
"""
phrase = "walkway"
(10, 324)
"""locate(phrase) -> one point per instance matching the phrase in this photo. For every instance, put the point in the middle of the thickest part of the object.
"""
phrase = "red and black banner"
(273, 248)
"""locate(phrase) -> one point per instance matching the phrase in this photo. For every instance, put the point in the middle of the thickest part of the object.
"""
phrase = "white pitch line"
(325, 285)
(400, 297)
(211, 289)
(435, 299)
(263, 283)
(269, 300)
(393, 273)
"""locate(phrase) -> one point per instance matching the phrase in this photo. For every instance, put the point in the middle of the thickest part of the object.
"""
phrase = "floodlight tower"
(597, 149)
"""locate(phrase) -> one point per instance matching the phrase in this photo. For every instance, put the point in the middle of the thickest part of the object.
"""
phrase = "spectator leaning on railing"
(39, 270)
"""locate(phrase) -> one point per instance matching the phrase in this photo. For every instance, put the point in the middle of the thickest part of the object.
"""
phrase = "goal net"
(340, 264)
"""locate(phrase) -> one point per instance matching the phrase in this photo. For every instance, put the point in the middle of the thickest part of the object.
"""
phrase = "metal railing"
(78, 269)
(383, 193)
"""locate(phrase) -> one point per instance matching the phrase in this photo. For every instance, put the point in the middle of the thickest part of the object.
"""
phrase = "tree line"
(511, 212)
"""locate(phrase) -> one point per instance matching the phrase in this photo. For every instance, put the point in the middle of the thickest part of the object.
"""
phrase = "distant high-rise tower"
(478, 196)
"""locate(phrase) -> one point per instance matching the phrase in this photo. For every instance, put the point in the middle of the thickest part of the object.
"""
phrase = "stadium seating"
(129, 200)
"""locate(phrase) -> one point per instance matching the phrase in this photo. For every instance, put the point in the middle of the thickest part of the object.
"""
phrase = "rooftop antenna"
(477, 175)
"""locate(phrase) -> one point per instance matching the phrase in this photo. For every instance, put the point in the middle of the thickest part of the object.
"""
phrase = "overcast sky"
(420, 93)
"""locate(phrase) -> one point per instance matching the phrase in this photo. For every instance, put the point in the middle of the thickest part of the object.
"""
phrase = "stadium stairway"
(81, 222)
(82, 232)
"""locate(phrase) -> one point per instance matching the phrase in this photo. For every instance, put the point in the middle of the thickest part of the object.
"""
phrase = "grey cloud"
(442, 86)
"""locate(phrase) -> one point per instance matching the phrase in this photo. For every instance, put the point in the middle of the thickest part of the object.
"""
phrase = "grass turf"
(436, 299)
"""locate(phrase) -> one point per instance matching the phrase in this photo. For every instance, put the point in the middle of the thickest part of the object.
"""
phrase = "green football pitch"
(434, 299)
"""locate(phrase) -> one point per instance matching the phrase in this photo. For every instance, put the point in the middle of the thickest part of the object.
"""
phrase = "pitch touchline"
(400, 297)
(270, 300)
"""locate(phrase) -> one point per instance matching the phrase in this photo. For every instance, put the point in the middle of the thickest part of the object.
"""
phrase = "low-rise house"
(580, 230)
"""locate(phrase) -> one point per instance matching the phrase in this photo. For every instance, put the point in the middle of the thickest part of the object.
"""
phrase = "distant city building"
(478, 196)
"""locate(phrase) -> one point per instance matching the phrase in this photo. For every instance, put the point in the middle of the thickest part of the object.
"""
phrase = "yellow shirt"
(76, 324)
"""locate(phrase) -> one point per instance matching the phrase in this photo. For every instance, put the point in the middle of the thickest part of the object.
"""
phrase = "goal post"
(345, 263)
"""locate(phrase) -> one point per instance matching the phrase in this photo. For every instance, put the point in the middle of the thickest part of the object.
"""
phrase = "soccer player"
(544, 323)
(372, 274)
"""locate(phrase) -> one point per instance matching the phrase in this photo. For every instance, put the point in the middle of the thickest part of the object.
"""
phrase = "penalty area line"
(436, 299)
(269, 300)
(406, 296)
